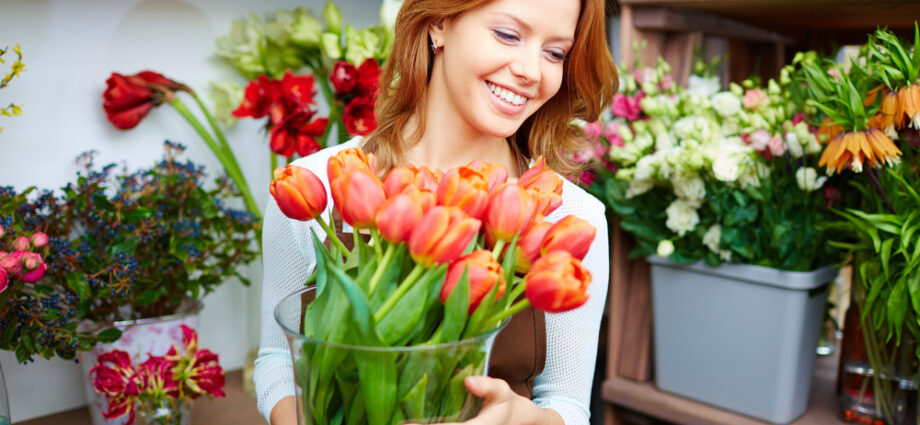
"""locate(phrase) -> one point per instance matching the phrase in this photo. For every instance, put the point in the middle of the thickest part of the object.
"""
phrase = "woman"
(500, 81)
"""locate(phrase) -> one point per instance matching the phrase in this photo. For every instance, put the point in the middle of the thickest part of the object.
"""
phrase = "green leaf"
(456, 310)
(413, 403)
(897, 307)
(885, 255)
(78, 285)
(109, 335)
(378, 384)
(397, 326)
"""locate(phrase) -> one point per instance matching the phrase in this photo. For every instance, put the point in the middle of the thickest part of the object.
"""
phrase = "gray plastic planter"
(739, 337)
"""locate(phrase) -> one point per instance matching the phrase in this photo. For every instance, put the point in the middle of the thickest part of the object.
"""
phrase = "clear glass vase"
(5, 418)
(165, 412)
(420, 384)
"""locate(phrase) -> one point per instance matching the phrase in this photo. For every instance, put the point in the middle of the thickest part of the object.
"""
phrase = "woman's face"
(501, 62)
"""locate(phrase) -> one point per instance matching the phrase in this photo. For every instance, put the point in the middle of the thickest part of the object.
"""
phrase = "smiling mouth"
(506, 95)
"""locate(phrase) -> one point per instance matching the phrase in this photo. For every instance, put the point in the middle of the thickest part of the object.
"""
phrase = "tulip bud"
(511, 209)
(529, 244)
(400, 214)
(358, 195)
(557, 282)
(299, 193)
(546, 186)
(495, 174)
(570, 234)
(465, 188)
(21, 243)
(39, 239)
(347, 160)
(398, 178)
(4, 280)
(483, 272)
(442, 235)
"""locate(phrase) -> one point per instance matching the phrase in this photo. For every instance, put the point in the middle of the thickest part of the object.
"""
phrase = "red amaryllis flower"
(115, 377)
(401, 212)
(557, 282)
(545, 185)
(466, 188)
(297, 133)
(258, 98)
(344, 77)
(358, 195)
(368, 78)
(300, 194)
(128, 98)
(511, 210)
(359, 116)
(483, 272)
(570, 234)
(441, 236)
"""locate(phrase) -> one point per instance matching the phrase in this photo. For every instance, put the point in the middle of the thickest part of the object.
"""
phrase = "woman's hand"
(285, 412)
(502, 406)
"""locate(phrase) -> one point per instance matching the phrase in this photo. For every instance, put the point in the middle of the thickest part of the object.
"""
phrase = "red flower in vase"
(198, 371)
(359, 116)
(128, 98)
(116, 377)
(156, 377)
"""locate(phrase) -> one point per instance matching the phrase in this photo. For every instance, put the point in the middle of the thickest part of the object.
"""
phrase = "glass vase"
(419, 384)
(165, 412)
(5, 418)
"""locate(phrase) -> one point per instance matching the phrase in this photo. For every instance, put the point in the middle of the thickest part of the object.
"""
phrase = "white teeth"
(507, 95)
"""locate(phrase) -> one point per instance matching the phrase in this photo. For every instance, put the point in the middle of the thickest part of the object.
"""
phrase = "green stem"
(272, 162)
(398, 294)
(497, 250)
(502, 315)
(233, 171)
(330, 233)
(381, 267)
(378, 242)
(334, 113)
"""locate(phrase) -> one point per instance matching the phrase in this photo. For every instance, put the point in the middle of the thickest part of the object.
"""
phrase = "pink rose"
(759, 140)
(777, 148)
(667, 80)
(643, 75)
(593, 130)
(39, 239)
(21, 244)
(626, 107)
(755, 99)
(4, 280)
(612, 134)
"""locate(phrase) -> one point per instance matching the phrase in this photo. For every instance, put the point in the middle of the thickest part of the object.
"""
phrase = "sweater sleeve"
(571, 337)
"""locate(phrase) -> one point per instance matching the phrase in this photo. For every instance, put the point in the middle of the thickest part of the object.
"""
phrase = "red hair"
(589, 83)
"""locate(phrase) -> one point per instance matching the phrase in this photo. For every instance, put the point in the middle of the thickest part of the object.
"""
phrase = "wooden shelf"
(646, 398)
(237, 408)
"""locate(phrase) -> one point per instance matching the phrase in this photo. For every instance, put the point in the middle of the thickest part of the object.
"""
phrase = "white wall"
(69, 48)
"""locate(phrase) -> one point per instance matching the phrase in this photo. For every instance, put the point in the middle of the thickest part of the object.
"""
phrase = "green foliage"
(15, 70)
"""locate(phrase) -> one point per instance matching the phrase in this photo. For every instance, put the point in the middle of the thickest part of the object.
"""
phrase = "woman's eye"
(556, 56)
(505, 35)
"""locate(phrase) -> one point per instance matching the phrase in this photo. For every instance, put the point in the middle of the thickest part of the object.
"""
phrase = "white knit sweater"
(564, 385)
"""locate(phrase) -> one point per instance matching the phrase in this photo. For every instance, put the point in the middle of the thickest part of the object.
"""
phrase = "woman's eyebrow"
(528, 28)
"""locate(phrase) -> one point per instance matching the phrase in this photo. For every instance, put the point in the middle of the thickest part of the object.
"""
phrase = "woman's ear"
(436, 32)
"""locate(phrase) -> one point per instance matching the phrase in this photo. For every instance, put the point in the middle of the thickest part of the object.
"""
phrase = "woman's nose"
(526, 66)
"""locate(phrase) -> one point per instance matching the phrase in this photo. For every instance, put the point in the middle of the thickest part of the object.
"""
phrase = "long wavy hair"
(589, 83)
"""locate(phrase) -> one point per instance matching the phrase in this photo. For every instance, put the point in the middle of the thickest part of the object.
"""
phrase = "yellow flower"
(855, 148)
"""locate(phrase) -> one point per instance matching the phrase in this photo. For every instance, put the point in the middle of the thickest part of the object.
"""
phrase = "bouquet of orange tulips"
(437, 259)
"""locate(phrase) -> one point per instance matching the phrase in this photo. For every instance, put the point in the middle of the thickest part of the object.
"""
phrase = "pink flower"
(593, 130)
(667, 80)
(643, 75)
(2, 232)
(197, 370)
(799, 117)
(4, 280)
(759, 140)
(777, 148)
(34, 266)
(626, 107)
(156, 377)
(115, 377)
(21, 244)
(755, 99)
(39, 239)
(12, 263)
(612, 134)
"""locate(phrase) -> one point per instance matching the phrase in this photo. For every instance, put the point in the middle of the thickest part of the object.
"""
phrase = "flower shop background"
(70, 48)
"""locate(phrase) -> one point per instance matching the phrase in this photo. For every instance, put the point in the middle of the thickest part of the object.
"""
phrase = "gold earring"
(435, 47)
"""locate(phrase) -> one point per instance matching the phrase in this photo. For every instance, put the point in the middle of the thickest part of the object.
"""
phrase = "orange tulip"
(511, 209)
(495, 174)
(529, 244)
(347, 160)
(557, 282)
(358, 195)
(399, 214)
(299, 193)
(465, 188)
(441, 235)
(401, 177)
(571, 234)
(483, 271)
(545, 185)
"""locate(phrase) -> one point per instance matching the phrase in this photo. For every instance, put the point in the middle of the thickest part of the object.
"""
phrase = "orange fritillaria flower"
(557, 282)
(483, 271)
(299, 193)
(441, 235)
(910, 104)
(466, 188)
(856, 148)
(828, 130)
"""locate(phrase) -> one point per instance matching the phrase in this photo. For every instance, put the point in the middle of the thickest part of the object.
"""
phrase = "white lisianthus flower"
(807, 179)
(703, 87)
(726, 104)
(664, 141)
(638, 187)
(728, 164)
(646, 167)
(665, 248)
(753, 174)
(682, 216)
(711, 240)
(689, 187)
(793, 146)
